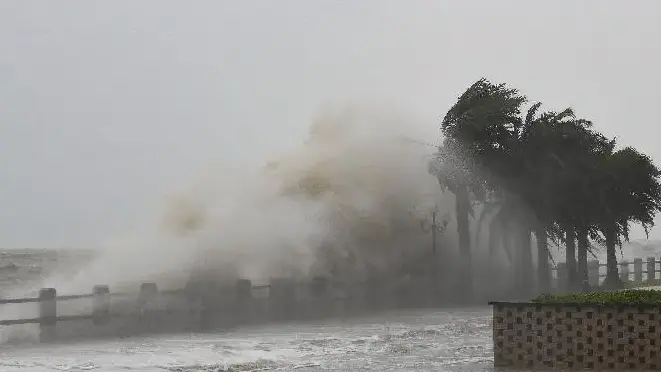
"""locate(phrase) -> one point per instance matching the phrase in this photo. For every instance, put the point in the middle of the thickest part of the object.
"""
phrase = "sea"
(453, 339)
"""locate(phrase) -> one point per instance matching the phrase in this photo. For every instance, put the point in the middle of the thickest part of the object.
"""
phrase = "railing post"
(593, 273)
(624, 270)
(146, 303)
(47, 314)
(638, 270)
(101, 304)
(561, 272)
(651, 270)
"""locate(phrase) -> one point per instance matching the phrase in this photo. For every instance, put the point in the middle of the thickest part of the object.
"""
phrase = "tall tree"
(533, 153)
(475, 128)
(541, 148)
(575, 205)
(587, 206)
(539, 152)
(629, 193)
(547, 173)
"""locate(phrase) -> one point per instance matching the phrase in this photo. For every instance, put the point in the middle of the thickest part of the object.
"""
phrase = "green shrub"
(625, 297)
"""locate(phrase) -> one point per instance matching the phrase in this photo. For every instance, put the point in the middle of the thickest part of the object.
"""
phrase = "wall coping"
(574, 304)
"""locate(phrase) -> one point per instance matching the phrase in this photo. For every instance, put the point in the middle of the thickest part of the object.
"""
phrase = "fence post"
(638, 270)
(651, 270)
(47, 314)
(101, 304)
(593, 273)
(561, 272)
(146, 301)
(624, 270)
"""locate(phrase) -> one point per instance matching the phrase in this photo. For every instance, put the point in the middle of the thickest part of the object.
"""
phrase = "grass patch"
(644, 283)
(626, 297)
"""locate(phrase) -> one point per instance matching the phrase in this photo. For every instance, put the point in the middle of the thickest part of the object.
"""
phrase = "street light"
(434, 227)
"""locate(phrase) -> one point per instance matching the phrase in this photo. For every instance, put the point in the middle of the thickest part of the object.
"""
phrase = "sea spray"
(348, 202)
(354, 190)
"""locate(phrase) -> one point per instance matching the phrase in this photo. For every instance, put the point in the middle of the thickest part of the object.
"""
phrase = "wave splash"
(348, 201)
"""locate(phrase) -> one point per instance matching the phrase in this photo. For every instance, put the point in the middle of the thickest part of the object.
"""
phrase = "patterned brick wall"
(574, 336)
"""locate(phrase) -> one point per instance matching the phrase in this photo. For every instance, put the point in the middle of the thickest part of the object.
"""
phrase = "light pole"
(434, 228)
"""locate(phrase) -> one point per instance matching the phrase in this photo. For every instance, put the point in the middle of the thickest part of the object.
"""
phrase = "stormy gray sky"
(107, 105)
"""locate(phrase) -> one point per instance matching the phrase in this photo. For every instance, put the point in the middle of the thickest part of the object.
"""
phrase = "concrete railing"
(200, 306)
(639, 271)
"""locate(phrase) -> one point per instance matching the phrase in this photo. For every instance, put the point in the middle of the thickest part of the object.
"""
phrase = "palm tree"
(550, 174)
(573, 202)
(547, 154)
(475, 128)
(541, 152)
(533, 152)
(630, 192)
(538, 149)
(453, 169)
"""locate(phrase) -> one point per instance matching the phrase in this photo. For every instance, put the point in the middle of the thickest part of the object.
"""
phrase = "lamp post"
(434, 228)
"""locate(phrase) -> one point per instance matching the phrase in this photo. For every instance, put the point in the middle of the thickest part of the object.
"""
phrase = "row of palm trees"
(543, 173)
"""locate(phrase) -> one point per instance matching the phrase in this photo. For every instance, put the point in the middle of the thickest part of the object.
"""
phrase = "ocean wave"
(420, 333)
(13, 267)
(262, 365)
(9, 267)
(83, 366)
(259, 365)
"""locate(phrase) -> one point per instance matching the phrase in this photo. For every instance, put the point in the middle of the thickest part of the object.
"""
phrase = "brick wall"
(574, 336)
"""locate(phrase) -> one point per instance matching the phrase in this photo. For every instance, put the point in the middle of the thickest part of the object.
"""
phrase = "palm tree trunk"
(525, 246)
(463, 232)
(570, 258)
(492, 245)
(492, 242)
(543, 273)
(511, 247)
(495, 241)
(612, 280)
(582, 235)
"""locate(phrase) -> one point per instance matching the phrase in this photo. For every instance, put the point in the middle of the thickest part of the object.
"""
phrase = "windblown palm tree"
(630, 193)
(579, 205)
(561, 146)
(475, 129)
(549, 174)
(537, 151)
